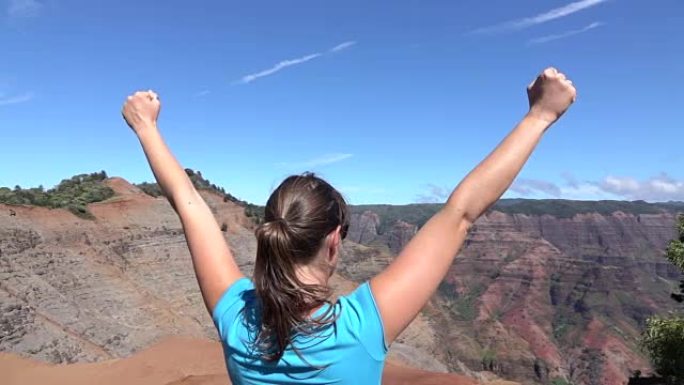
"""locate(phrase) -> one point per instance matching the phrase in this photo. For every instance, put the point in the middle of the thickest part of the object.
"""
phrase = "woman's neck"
(312, 275)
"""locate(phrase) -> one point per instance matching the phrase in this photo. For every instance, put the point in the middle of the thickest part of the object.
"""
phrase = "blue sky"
(392, 102)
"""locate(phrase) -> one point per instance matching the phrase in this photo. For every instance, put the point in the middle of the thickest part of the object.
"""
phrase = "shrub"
(73, 194)
(252, 211)
(663, 338)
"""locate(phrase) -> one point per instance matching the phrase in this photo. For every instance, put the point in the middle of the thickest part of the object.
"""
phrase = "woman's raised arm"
(407, 284)
(214, 264)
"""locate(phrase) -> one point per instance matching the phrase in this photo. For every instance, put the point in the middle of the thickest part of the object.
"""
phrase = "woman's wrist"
(541, 123)
(144, 130)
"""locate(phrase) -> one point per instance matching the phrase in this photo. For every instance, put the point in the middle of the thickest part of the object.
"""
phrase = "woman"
(280, 327)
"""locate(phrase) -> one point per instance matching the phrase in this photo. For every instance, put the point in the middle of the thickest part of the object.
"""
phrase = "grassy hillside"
(73, 194)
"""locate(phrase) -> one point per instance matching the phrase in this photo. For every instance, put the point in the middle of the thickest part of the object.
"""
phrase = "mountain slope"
(74, 289)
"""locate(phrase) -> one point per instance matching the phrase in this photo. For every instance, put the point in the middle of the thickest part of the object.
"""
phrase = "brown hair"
(299, 214)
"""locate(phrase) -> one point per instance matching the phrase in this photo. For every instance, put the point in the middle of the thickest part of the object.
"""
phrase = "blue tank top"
(351, 350)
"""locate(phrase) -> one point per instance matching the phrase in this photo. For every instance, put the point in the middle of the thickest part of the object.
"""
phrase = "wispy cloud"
(548, 38)
(292, 62)
(342, 46)
(433, 194)
(278, 67)
(5, 101)
(24, 8)
(317, 162)
(545, 17)
(528, 187)
(201, 94)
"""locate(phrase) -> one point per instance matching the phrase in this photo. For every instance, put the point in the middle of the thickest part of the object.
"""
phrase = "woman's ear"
(334, 243)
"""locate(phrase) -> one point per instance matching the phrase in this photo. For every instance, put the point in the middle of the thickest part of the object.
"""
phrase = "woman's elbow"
(459, 215)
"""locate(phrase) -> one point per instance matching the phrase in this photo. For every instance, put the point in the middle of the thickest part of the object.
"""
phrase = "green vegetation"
(416, 214)
(574, 309)
(638, 312)
(446, 289)
(255, 212)
(664, 341)
(73, 194)
(561, 208)
(91, 190)
(663, 338)
(466, 305)
(151, 189)
(252, 211)
(489, 360)
(78, 191)
(560, 381)
(419, 214)
(463, 307)
(565, 320)
(675, 251)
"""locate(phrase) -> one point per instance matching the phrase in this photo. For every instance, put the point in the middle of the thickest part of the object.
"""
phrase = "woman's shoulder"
(359, 312)
(360, 300)
(237, 294)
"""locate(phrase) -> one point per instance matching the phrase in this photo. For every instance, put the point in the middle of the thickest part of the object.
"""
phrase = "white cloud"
(202, 93)
(545, 17)
(24, 8)
(586, 191)
(292, 62)
(342, 46)
(527, 187)
(655, 189)
(548, 38)
(5, 101)
(278, 67)
(658, 188)
(317, 162)
(619, 185)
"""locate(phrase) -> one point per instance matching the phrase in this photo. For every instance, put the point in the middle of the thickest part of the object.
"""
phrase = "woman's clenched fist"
(141, 110)
(550, 95)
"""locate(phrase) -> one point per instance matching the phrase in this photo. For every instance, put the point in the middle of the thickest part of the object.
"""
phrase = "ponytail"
(300, 213)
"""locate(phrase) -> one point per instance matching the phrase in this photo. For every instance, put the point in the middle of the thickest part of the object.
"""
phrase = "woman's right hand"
(141, 110)
(407, 284)
(214, 264)
(550, 95)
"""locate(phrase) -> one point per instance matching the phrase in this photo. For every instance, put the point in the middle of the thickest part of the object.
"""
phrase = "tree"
(664, 336)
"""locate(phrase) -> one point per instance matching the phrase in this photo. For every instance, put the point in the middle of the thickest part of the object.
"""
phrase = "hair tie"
(282, 222)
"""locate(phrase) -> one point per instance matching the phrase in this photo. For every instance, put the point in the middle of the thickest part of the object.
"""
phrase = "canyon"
(534, 296)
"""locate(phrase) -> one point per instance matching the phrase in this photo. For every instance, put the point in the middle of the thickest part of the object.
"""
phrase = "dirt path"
(175, 361)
